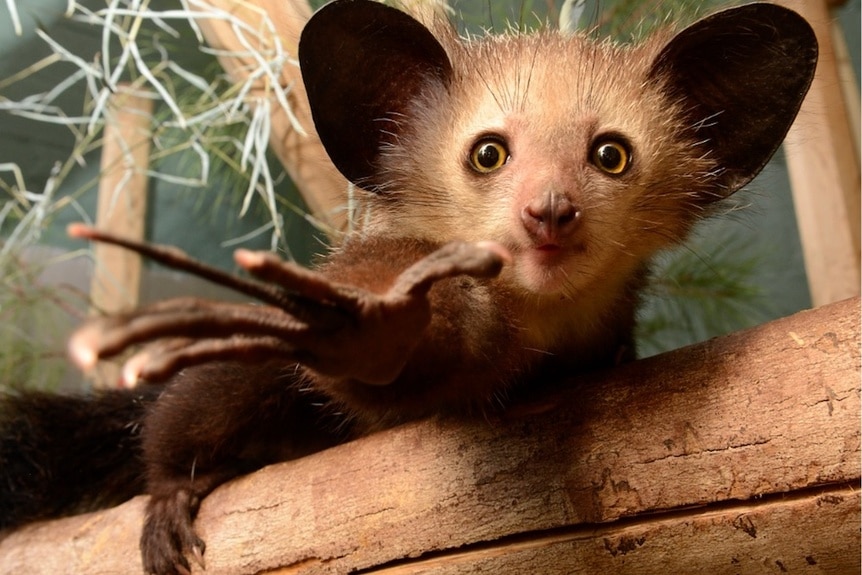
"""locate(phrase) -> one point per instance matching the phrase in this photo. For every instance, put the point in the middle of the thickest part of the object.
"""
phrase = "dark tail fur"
(62, 454)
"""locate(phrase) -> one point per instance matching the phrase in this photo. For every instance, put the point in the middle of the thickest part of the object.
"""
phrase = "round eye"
(611, 157)
(488, 155)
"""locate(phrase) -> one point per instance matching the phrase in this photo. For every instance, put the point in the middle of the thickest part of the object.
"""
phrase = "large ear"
(741, 74)
(362, 62)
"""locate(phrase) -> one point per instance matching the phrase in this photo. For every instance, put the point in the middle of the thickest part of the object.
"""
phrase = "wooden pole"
(323, 188)
(823, 161)
(740, 455)
(121, 208)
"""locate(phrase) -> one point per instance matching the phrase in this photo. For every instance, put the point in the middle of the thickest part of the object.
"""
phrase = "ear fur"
(362, 62)
(741, 75)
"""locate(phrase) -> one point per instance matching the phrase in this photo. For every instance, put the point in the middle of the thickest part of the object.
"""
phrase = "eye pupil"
(610, 156)
(488, 156)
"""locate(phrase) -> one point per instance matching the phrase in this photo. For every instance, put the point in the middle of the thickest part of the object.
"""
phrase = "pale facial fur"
(549, 99)
(407, 111)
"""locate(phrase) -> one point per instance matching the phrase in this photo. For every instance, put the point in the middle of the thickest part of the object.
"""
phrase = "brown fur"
(407, 318)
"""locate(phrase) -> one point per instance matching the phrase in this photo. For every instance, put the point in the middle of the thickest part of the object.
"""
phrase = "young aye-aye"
(517, 187)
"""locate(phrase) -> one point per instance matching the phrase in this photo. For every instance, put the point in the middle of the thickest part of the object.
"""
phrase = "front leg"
(382, 329)
(212, 423)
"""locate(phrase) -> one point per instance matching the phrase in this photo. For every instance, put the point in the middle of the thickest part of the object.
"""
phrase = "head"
(583, 158)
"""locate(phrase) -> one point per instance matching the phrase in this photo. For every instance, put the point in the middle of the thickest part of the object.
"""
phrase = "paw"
(169, 538)
(337, 330)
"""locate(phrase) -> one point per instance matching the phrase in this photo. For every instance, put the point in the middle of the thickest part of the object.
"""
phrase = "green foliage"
(623, 20)
(627, 20)
(700, 291)
(30, 355)
(206, 138)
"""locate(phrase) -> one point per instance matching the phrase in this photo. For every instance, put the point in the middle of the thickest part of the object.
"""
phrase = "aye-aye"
(517, 187)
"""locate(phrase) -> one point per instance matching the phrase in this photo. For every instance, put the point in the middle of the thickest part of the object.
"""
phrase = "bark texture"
(737, 455)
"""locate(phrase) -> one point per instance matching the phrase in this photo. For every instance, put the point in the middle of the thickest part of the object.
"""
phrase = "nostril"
(566, 214)
(551, 217)
(562, 213)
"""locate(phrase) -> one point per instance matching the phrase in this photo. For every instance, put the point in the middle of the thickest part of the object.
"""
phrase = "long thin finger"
(483, 260)
(106, 337)
(304, 282)
(130, 375)
(177, 259)
(84, 343)
(162, 366)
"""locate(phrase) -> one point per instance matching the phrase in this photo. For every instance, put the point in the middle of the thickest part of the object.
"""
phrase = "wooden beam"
(122, 200)
(121, 209)
(823, 162)
(737, 455)
(323, 188)
(847, 78)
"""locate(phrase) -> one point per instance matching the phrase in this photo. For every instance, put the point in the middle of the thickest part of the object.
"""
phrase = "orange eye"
(488, 155)
(611, 157)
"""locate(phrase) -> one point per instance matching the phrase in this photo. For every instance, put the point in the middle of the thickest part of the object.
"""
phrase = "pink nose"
(550, 218)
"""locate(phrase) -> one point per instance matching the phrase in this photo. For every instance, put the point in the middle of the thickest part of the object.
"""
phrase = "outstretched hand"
(335, 329)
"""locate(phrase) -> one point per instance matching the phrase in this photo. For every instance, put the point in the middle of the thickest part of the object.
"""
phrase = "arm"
(378, 314)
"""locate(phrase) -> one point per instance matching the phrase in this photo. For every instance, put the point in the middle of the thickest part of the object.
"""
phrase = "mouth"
(549, 248)
(547, 256)
(553, 254)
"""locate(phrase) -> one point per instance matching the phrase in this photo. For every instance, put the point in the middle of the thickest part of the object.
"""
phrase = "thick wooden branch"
(737, 455)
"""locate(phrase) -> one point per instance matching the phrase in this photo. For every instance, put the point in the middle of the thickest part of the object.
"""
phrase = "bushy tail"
(61, 454)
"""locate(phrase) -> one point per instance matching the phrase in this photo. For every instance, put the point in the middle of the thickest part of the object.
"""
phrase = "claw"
(498, 248)
(197, 554)
(130, 375)
(81, 348)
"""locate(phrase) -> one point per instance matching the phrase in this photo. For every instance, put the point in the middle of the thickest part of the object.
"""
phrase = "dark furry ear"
(741, 74)
(362, 62)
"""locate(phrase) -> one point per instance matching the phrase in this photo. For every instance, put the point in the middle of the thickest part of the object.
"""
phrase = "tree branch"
(721, 457)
